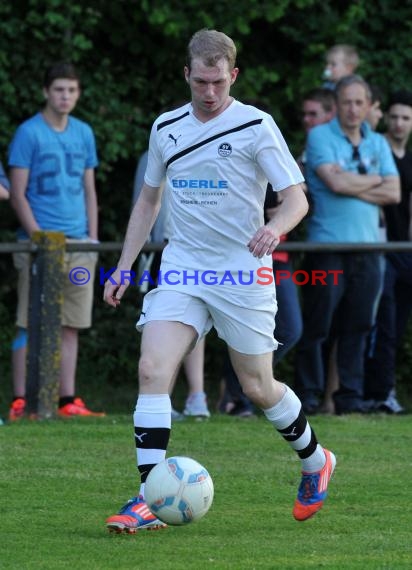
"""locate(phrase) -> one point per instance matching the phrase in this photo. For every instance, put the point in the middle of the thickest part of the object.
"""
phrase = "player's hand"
(114, 289)
(263, 242)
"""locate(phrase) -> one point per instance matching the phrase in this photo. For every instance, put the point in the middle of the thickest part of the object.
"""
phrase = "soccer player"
(217, 155)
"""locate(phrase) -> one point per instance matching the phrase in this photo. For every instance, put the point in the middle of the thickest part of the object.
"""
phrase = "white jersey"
(216, 177)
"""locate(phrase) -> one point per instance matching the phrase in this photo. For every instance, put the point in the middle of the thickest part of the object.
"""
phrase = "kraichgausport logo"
(261, 276)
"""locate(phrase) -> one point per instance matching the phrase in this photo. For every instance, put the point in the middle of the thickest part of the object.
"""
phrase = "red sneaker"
(77, 408)
(17, 409)
(313, 489)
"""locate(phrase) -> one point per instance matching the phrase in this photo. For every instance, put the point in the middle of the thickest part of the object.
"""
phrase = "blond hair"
(211, 46)
(349, 53)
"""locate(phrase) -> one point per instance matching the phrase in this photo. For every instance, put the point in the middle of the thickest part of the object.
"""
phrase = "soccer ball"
(179, 490)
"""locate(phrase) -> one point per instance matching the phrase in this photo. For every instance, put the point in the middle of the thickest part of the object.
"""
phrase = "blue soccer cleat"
(313, 489)
(134, 516)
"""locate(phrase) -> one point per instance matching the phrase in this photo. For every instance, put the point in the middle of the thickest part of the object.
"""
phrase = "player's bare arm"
(141, 221)
(292, 208)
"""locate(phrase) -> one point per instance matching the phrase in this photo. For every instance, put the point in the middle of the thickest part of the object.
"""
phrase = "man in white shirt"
(217, 156)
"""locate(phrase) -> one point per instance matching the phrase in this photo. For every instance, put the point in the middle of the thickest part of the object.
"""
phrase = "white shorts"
(245, 320)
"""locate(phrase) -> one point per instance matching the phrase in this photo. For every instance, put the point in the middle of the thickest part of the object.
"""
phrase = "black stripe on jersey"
(151, 438)
(210, 139)
(171, 121)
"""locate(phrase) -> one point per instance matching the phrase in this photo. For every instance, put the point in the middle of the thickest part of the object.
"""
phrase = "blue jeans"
(354, 294)
(395, 308)
(289, 324)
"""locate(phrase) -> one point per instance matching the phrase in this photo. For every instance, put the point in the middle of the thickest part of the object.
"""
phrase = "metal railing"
(290, 246)
(46, 299)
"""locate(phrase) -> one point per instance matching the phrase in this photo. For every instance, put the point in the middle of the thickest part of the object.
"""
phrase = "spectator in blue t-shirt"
(350, 172)
(52, 158)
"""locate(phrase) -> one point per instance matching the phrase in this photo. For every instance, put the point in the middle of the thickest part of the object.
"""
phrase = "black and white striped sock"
(152, 423)
(288, 418)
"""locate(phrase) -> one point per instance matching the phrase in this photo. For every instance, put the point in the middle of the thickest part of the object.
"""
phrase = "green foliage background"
(131, 54)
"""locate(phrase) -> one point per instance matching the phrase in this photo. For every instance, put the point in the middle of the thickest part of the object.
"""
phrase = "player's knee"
(262, 391)
(253, 390)
(153, 373)
(146, 370)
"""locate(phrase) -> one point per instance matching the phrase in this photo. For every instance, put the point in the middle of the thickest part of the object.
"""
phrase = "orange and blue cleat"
(313, 489)
(134, 516)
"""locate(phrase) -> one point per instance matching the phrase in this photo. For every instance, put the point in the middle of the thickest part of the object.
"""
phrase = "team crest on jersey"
(225, 149)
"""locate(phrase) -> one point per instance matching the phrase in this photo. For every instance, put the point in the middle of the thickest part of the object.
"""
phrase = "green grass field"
(60, 479)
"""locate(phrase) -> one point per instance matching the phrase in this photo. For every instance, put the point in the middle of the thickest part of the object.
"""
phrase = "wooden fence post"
(44, 329)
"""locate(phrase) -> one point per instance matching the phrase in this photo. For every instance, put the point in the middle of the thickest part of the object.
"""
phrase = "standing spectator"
(217, 155)
(350, 172)
(52, 160)
(395, 305)
(341, 60)
(373, 117)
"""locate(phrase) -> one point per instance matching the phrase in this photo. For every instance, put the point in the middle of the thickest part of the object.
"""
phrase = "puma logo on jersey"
(173, 138)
